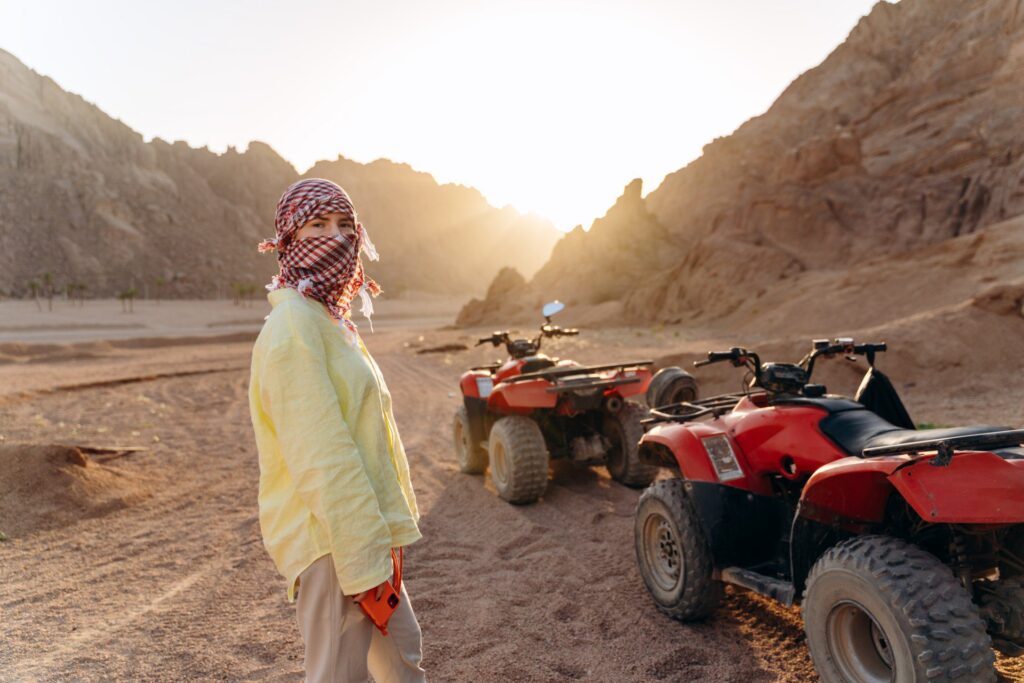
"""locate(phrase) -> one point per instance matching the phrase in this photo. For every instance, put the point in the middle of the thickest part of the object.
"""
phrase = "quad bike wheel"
(1002, 606)
(472, 459)
(670, 385)
(624, 430)
(879, 609)
(672, 553)
(519, 459)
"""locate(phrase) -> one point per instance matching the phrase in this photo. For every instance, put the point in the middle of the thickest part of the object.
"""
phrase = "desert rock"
(906, 136)
(84, 198)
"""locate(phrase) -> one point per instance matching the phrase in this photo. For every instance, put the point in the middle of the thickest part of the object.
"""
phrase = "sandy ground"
(25, 321)
(177, 586)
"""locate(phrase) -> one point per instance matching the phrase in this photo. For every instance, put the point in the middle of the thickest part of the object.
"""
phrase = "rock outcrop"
(84, 198)
(506, 291)
(906, 135)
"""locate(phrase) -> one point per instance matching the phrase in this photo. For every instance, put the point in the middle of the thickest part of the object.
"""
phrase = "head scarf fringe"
(341, 276)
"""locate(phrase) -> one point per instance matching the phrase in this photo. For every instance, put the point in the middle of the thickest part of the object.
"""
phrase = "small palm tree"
(160, 283)
(33, 286)
(127, 298)
(249, 289)
(48, 289)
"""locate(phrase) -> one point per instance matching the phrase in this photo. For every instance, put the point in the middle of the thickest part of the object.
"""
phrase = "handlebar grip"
(485, 340)
(717, 356)
(571, 332)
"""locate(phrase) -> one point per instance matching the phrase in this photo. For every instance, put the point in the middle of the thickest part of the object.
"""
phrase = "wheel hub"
(461, 440)
(858, 644)
(664, 556)
(499, 467)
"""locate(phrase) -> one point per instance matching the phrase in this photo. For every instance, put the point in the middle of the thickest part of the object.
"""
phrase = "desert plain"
(133, 551)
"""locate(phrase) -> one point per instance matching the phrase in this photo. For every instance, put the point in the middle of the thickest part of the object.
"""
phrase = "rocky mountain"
(84, 198)
(906, 136)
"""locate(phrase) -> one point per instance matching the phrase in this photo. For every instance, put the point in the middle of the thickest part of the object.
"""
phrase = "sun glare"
(551, 106)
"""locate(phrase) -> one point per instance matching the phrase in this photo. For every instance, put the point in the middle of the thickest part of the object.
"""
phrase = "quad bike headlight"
(484, 385)
(722, 457)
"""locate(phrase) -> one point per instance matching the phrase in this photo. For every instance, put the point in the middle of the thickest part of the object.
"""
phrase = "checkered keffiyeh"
(328, 269)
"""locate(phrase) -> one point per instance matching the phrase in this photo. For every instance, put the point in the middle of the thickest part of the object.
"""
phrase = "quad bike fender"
(683, 447)
(636, 388)
(977, 487)
(850, 492)
(670, 445)
(476, 384)
(522, 396)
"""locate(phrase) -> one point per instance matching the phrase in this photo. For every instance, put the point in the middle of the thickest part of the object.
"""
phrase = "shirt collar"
(283, 294)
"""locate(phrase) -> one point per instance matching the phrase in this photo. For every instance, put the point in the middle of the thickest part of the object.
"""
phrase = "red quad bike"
(906, 545)
(519, 413)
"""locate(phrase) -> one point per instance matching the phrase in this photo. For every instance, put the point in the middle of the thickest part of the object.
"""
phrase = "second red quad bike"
(905, 547)
(518, 413)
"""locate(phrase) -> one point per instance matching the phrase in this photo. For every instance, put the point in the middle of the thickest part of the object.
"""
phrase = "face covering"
(328, 269)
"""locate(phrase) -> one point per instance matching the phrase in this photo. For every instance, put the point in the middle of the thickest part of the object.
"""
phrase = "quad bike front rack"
(692, 410)
(947, 447)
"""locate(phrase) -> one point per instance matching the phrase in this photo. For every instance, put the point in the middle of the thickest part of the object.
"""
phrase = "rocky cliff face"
(84, 198)
(906, 135)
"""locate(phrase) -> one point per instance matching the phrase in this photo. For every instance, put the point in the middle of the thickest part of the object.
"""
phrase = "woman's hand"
(359, 597)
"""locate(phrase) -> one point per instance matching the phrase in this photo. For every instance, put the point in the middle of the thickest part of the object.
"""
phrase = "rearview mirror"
(551, 308)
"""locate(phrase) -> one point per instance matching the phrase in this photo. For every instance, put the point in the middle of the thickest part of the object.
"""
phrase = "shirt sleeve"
(324, 462)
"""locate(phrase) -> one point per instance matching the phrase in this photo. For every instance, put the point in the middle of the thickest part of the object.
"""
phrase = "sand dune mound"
(51, 486)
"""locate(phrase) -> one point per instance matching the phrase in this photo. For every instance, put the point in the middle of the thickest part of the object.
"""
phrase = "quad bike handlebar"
(774, 378)
(784, 377)
(518, 348)
(736, 355)
(844, 346)
(549, 330)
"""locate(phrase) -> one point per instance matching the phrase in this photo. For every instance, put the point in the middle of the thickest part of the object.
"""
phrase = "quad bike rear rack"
(692, 410)
(566, 385)
(947, 447)
(554, 373)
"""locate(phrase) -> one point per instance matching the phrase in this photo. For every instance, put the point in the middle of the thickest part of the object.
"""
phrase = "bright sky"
(549, 105)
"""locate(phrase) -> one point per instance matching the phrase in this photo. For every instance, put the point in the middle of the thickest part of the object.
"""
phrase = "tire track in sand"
(108, 627)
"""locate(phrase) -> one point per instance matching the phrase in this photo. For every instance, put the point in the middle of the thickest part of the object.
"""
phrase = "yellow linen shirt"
(333, 474)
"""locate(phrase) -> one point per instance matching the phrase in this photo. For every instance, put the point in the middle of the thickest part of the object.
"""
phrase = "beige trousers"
(342, 645)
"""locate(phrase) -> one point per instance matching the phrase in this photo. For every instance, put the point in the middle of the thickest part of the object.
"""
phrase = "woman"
(334, 494)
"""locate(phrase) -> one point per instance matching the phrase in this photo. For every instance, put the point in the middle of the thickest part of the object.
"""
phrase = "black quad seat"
(830, 404)
(536, 363)
(855, 430)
